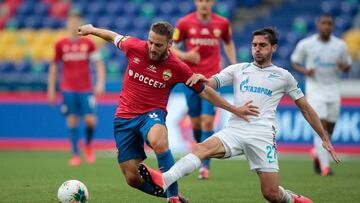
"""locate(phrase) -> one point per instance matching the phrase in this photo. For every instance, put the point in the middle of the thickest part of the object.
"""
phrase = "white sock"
(321, 153)
(287, 197)
(183, 167)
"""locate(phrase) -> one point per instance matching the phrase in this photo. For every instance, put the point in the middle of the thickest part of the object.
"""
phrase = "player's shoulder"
(281, 71)
(62, 40)
(239, 67)
(219, 18)
(338, 40)
(187, 18)
(309, 40)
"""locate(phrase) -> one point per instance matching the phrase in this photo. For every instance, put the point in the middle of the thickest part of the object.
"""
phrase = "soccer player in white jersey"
(264, 84)
(321, 58)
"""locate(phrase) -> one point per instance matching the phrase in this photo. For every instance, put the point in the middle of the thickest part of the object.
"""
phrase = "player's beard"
(154, 56)
(262, 59)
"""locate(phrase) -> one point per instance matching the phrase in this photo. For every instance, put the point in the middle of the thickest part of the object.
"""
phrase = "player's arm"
(191, 56)
(313, 119)
(299, 68)
(214, 98)
(51, 88)
(88, 29)
(298, 57)
(100, 74)
(230, 52)
(195, 78)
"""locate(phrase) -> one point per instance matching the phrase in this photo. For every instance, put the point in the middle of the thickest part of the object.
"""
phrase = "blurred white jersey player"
(324, 58)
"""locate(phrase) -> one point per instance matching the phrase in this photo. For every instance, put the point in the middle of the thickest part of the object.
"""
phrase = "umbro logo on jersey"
(136, 60)
(151, 68)
(273, 75)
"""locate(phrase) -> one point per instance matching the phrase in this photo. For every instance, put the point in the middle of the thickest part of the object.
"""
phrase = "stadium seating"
(29, 32)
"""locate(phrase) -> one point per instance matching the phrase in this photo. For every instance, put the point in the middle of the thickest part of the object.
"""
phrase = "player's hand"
(247, 110)
(328, 146)
(341, 65)
(85, 29)
(99, 89)
(51, 96)
(192, 56)
(310, 72)
(196, 78)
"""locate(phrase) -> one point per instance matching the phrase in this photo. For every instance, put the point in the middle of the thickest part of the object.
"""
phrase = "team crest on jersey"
(167, 74)
(84, 48)
(204, 31)
(217, 32)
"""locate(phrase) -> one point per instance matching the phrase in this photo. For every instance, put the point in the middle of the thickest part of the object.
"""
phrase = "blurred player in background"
(264, 84)
(203, 32)
(75, 53)
(322, 58)
(153, 70)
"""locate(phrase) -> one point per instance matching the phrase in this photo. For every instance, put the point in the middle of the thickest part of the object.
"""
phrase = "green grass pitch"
(33, 177)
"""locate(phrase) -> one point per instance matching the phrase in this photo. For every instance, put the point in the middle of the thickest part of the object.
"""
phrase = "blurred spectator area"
(29, 28)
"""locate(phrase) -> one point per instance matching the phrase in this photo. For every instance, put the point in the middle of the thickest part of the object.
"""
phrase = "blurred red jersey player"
(203, 32)
(75, 53)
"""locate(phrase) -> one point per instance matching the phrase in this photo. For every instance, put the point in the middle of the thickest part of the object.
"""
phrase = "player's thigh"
(153, 130)
(87, 103)
(319, 107)
(207, 108)
(261, 152)
(70, 104)
(269, 181)
(231, 143)
(333, 111)
(129, 142)
(193, 101)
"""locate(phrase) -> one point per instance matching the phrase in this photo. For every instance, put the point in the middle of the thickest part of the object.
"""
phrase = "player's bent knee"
(160, 146)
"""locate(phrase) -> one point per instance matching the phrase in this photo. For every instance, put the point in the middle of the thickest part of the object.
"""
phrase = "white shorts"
(259, 148)
(328, 111)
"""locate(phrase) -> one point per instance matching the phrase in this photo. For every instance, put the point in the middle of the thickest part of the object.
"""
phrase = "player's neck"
(263, 65)
(323, 38)
(203, 17)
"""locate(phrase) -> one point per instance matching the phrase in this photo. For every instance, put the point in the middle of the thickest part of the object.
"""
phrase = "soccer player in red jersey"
(153, 70)
(203, 32)
(75, 53)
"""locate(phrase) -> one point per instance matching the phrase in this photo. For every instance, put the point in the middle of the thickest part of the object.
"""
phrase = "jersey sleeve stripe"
(217, 81)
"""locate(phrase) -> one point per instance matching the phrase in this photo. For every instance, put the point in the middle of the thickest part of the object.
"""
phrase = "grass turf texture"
(28, 177)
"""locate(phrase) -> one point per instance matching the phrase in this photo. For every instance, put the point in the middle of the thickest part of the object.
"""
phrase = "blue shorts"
(78, 103)
(130, 134)
(197, 105)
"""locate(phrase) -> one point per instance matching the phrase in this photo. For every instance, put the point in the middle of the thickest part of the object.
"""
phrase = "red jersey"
(207, 36)
(75, 56)
(147, 84)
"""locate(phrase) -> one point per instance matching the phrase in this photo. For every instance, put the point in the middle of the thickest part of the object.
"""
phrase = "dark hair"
(163, 28)
(270, 32)
(324, 15)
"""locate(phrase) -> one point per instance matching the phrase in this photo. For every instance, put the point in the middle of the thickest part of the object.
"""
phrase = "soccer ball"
(73, 191)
